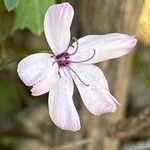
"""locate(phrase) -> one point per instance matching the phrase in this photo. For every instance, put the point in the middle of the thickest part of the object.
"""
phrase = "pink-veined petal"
(61, 107)
(57, 24)
(96, 96)
(37, 70)
(107, 46)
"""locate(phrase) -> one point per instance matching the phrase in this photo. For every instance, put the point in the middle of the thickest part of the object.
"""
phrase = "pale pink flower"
(55, 73)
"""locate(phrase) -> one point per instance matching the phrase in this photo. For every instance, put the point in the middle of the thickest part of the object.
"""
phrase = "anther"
(77, 44)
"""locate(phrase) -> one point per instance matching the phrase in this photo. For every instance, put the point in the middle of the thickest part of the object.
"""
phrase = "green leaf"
(30, 15)
(11, 4)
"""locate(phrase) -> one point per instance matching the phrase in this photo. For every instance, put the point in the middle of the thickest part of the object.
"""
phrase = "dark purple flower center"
(63, 59)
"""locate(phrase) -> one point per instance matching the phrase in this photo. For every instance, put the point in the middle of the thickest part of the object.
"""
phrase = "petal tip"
(134, 40)
(69, 128)
(35, 91)
(107, 109)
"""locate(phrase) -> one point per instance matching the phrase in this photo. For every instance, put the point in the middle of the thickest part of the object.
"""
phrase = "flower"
(72, 62)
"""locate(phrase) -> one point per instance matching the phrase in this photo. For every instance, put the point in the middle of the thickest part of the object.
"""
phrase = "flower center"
(63, 59)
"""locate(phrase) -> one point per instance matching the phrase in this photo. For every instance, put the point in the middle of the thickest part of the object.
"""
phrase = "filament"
(77, 76)
(77, 44)
(94, 52)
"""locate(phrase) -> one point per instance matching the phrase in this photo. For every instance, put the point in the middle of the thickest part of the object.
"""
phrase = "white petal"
(61, 107)
(106, 46)
(96, 96)
(37, 70)
(57, 24)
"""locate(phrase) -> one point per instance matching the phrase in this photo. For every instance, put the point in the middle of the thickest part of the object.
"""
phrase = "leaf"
(30, 14)
(11, 4)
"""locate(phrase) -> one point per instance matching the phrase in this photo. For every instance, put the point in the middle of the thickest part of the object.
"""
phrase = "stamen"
(77, 76)
(59, 74)
(54, 62)
(85, 59)
(70, 45)
(75, 39)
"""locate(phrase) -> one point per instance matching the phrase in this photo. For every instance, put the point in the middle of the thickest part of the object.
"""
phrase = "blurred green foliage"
(11, 4)
(29, 14)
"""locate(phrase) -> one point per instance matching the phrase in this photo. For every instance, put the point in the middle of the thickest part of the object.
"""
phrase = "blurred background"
(24, 119)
